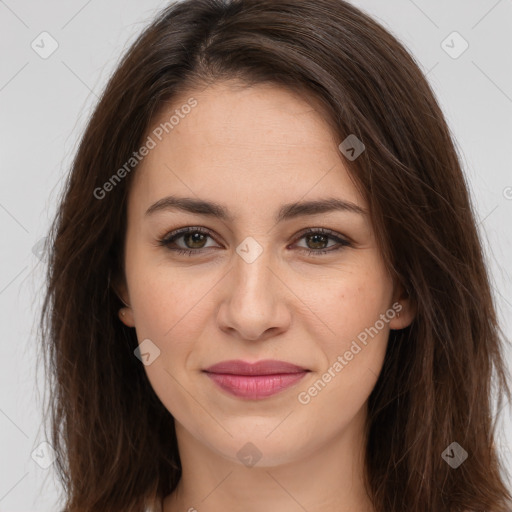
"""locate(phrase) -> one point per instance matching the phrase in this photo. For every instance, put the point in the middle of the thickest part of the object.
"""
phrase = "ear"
(404, 307)
(120, 288)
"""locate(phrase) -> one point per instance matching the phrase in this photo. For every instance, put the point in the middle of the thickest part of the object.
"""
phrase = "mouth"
(255, 380)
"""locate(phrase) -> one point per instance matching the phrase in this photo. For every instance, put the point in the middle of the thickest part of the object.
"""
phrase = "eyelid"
(324, 231)
(341, 240)
(177, 233)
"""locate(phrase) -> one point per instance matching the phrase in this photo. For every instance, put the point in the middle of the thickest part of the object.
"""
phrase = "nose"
(254, 305)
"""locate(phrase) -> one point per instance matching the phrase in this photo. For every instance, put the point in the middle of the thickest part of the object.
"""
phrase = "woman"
(266, 289)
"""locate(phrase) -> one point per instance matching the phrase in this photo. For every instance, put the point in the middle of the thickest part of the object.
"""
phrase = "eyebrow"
(286, 212)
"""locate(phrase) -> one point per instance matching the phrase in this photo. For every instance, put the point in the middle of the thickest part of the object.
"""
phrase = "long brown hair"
(115, 440)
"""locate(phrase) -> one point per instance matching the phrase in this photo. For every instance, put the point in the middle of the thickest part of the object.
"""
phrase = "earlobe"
(404, 309)
(126, 316)
(404, 315)
(119, 287)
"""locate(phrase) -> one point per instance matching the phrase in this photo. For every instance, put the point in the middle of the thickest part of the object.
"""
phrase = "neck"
(327, 476)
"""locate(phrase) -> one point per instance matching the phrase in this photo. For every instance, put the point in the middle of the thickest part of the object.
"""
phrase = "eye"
(317, 241)
(195, 239)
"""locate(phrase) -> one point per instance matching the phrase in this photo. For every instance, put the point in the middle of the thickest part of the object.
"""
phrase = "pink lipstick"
(255, 380)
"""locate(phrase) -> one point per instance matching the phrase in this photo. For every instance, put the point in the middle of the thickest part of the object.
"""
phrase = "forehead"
(238, 143)
(262, 117)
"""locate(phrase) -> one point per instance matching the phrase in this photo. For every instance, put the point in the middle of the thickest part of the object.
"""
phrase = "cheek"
(354, 345)
(165, 300)
(168, 310)
(351, 301)
(172, 307)
(354, 349)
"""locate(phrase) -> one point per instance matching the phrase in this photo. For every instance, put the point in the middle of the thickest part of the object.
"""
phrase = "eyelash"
(174, 235)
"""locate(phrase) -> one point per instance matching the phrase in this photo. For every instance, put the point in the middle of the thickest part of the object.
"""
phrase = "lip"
(255, 380)
(264, 367)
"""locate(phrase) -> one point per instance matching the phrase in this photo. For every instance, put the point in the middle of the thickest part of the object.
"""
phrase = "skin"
(253, 150)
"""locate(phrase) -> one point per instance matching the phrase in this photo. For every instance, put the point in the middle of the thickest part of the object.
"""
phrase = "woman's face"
(259, 283)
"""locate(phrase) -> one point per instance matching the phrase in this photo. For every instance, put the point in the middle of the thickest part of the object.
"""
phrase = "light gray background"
(45, 103)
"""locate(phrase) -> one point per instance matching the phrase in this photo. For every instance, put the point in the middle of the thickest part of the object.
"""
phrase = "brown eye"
(317, 241)
(194, 240)
(187, 240)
